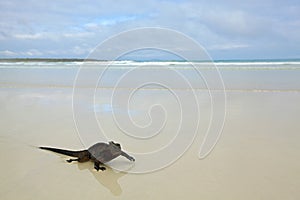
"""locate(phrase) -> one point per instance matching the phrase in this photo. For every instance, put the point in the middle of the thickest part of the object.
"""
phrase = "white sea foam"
(128, 64)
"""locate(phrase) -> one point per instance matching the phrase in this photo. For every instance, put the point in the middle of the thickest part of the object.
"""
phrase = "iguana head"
(116, 145)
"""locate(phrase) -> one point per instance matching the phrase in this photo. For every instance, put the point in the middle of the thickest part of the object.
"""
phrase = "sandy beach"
(257, 156)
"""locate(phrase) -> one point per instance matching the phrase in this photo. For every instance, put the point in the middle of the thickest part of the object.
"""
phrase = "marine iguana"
(99, 153)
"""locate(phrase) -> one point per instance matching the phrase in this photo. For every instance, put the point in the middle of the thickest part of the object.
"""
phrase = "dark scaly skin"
(99, 153)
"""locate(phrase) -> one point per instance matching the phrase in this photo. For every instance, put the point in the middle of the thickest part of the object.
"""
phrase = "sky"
(232, 29)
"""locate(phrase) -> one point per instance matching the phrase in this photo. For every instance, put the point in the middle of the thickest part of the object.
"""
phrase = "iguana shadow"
(109, 178)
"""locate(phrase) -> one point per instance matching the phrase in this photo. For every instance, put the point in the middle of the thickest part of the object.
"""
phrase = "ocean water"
(256, 76)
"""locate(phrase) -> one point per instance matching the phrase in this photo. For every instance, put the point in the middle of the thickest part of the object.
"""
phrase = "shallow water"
(235, 75)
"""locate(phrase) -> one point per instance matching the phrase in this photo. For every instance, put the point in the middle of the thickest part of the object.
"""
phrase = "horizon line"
(145, 60)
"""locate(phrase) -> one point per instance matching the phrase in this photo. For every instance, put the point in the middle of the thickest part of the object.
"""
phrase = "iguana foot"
(96, 168)
(102, 168)
(99, 168)
(71, 160)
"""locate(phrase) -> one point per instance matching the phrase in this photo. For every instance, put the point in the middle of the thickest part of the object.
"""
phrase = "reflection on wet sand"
(108, 178)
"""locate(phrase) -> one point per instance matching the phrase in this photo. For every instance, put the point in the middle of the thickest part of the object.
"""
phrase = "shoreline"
(83, 59)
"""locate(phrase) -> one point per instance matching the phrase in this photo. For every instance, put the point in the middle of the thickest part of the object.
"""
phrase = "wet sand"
(257, 156)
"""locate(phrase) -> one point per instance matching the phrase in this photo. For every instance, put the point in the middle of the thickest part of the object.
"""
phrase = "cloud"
(228, 46)
(7, 53)
(29, 53)
(32, 52)
(116, 20)
(30, 36)
(62, 26)
(77, 34)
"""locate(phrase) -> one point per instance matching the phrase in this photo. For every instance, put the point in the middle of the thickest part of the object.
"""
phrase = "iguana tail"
(64, 152)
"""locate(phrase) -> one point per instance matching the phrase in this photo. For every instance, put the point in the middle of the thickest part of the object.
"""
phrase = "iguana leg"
(97, 166)
(71, 160)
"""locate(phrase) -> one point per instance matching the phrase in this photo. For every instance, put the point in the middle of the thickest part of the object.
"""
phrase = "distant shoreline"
(42, 60)
(82, 60)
